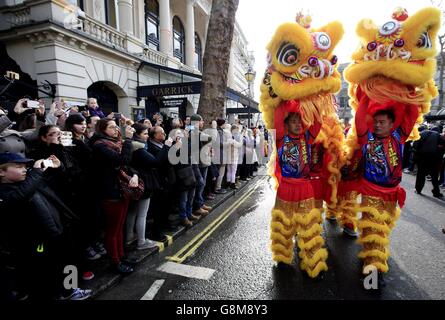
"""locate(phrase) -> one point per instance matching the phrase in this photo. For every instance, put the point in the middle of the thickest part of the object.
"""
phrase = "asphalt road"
(236, 263)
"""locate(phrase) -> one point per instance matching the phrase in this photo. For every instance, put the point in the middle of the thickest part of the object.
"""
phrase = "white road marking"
(187, 271)
(151, 293)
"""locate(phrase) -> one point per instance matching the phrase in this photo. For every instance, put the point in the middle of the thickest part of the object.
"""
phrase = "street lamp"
(250, 77)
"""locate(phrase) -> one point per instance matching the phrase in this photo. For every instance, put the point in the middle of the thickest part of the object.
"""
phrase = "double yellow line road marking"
(197, 241)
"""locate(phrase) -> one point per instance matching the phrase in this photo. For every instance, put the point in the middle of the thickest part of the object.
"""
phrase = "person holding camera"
(110, 154)
(186, 179)
(201, 163)
(80, 181)
(48, 144)
(161, 204)
(27, 117)
(146, 164)
(68, 178)
(39, 229)
(58, 113)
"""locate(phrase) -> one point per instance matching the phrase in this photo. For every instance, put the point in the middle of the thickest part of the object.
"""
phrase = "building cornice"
(51, 32)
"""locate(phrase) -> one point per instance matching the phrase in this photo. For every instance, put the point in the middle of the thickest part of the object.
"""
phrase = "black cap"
(8, 157)
(75, 118)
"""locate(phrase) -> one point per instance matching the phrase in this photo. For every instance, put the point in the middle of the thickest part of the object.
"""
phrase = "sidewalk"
(105, 278)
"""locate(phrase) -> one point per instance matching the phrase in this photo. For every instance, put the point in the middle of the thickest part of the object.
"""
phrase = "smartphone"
(117, 116)
(66, 138)
(32, 104)
(47, 163)
(83, 108)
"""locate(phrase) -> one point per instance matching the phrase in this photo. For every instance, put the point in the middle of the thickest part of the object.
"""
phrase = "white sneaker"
(147, 244)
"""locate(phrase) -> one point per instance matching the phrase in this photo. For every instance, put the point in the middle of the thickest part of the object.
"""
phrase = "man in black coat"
(428, 153)
(160, 207)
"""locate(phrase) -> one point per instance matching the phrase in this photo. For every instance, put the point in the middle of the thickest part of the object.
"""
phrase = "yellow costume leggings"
(377, 221)
(303, 219)
(345, 210)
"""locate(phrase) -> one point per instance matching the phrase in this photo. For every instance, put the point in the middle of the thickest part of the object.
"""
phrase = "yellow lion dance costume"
(300, 79)
(392, 70)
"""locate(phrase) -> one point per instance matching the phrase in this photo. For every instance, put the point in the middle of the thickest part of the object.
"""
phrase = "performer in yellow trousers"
(294, 210)
(382, 195)
(391, 85)
(300, 80)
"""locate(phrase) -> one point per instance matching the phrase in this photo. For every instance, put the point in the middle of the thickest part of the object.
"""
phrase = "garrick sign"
(172, 89)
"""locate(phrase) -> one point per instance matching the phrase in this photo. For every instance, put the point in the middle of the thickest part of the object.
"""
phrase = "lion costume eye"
(389, 28)
(424, 41)
(288, 54)
(322, 40)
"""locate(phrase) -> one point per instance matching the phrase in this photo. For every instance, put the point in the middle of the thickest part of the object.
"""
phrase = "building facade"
(242, 62)
(109, 48)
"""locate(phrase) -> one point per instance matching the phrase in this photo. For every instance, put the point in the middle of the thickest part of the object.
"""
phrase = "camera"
(47, 163)
(83, 108)
(118, 116)
(12, 75)
(66, 138)
(32, 104)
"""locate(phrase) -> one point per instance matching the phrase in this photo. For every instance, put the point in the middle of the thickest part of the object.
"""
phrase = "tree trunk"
(217, 59)
(441, 70)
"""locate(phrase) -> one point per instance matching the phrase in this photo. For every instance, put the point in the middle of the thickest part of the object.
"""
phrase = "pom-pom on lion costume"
(301, 78)
(393, 69)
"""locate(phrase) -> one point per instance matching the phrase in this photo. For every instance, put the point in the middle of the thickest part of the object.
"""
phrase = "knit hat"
(195, 117)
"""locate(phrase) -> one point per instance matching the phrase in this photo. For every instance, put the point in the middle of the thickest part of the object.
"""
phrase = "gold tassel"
(282, 232)
(321, 254)
(315, 229)
(374, 238)
(366, 224)
(321, 266)
(278, 227)
(374, 253)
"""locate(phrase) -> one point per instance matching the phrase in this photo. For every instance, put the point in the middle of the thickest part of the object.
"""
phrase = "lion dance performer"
(391, 86)
(297, 101)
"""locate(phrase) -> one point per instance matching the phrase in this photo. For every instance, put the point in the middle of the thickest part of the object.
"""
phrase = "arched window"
(152, 23)
(198, 53)
(178, 39)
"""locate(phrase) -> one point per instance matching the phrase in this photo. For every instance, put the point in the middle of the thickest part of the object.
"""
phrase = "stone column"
(125, 9)
(190, 34)
(165, 26)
